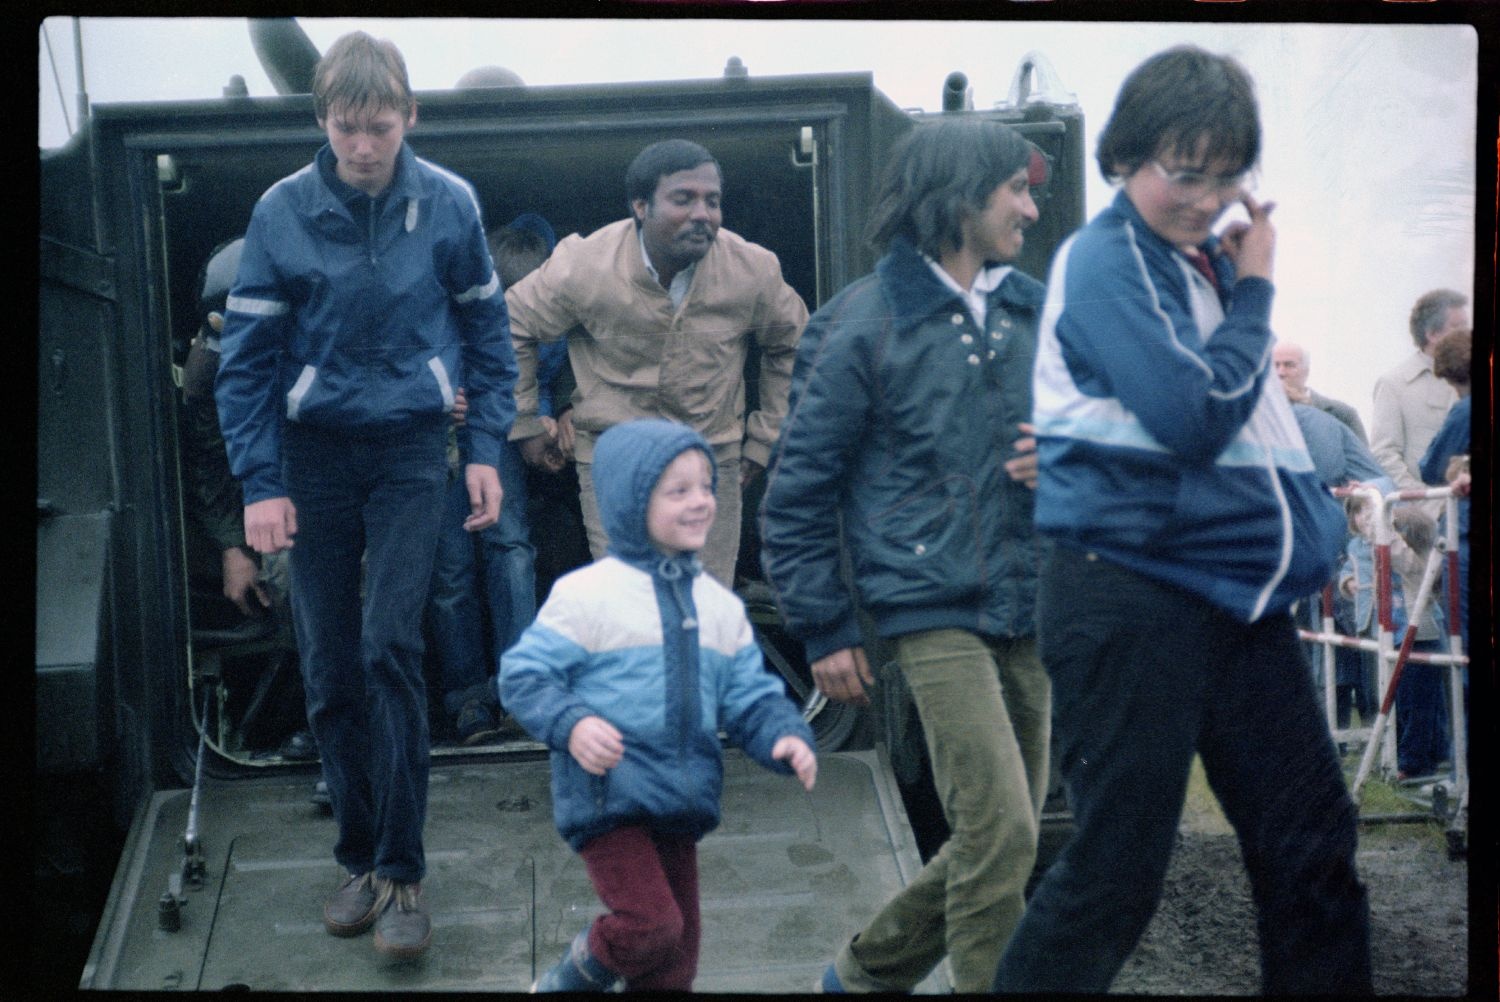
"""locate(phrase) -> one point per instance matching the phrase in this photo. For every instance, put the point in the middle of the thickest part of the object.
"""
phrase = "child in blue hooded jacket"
(632, 668)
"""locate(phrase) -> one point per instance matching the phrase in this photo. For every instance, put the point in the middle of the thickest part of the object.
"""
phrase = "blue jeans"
(376, 499)
(454, 620)
(509, 560)
(1143, 676)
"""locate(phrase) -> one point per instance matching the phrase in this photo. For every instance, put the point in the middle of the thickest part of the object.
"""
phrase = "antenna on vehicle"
(83, 93)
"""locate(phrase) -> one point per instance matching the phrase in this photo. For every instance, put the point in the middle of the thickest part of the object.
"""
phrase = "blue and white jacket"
(1163, 445)
(656, 647)
(360, 319)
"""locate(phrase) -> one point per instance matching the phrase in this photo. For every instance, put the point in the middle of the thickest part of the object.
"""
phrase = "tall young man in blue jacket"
(365, 295)
(911, 392)
(1183, 516)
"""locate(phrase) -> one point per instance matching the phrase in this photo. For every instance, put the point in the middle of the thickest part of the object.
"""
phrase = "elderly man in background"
(1293, 364)
(1410, 400)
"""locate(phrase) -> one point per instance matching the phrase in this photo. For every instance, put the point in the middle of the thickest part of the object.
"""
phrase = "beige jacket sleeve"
(1388, 434)
(540, 310)
(777, 333)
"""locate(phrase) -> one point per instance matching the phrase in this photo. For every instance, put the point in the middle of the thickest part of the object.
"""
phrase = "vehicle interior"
(243, 687)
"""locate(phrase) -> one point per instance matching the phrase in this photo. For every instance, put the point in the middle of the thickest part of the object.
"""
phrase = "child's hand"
(1251, 246)
(596, 745)
(804, 763)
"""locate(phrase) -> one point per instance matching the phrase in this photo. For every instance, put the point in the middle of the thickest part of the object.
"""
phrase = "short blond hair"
(359, 72)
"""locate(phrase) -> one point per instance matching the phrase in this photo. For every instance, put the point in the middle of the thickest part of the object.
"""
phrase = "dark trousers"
(649, 883)
(376, 500)
(1422, 740)
(1143, 676)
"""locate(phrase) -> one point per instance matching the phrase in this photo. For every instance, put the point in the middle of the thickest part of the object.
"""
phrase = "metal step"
(786, 878)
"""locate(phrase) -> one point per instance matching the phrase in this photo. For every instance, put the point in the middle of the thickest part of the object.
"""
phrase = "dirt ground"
(1202, 940)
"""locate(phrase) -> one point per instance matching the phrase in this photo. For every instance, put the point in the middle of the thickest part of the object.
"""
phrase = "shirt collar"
(346, 192)
(986, 281)
(680, 282)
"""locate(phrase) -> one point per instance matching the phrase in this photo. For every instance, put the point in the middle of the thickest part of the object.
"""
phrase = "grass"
(1377, 798)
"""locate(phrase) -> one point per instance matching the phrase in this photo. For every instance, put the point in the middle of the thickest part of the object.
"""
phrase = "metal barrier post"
(1330, 671)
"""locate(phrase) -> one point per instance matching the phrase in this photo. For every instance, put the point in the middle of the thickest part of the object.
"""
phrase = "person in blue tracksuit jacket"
(633, 667)
(1183, 516)
(365, 296)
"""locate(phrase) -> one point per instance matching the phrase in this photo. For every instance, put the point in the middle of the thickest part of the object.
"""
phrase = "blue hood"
(628, 461)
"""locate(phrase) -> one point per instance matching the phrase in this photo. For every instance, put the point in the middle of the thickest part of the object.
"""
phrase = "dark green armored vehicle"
(158, 719)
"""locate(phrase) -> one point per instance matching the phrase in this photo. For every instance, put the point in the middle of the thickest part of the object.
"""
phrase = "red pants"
(649, 883)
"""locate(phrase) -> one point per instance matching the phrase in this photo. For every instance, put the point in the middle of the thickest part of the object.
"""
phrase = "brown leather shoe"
(403, 928)
(351, 909)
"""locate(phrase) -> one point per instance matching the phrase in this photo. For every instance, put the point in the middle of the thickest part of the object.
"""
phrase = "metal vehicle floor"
(784, 880)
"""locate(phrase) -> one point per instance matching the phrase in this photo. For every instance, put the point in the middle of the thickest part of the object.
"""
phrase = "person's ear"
(640, 207)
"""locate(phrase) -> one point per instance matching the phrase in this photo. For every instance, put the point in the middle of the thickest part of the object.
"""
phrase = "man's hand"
(1251, 246)
(749, 470)
(537, 449)
(483, 483)
(596, 745)
(240, 571)
(460, 407)
(804, 763)
(1023, 466)
(270, 525)
(844, 676)
(553, 458)
(565, 436)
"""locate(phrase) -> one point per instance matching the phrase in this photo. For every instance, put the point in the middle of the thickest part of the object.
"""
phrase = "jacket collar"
(334, 193)
(916, 293)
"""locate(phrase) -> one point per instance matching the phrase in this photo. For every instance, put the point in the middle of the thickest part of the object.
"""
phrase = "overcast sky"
(1369, 129)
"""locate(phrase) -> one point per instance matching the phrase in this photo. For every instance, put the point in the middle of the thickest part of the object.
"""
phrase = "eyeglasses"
(1191, 185)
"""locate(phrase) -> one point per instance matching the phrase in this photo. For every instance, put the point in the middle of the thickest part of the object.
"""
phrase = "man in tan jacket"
(1410, 400)
(660, 311)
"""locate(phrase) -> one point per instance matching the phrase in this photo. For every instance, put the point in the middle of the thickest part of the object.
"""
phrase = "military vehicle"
(152, 716)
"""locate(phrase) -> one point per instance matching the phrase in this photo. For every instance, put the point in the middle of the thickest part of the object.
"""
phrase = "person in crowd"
(910, 430)
(1183, 517)
(670, 304)
(1410, 400)
(365, 295)
(1447, 461)
(255, 585)
(631, 671)
(499, 576)
(1293, 365)
(1421, 705)
(507, 551)
(1341, 459)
